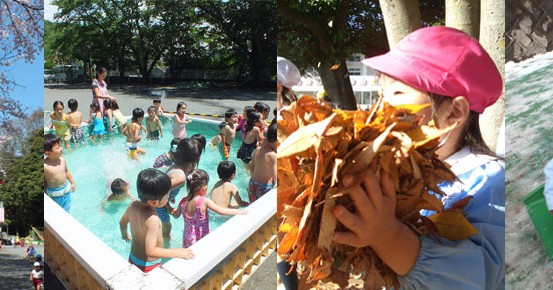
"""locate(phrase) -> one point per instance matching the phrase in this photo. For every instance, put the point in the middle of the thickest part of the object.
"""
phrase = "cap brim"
(393, 66)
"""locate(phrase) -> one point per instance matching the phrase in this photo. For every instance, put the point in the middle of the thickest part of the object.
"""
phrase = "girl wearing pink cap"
(449, 69)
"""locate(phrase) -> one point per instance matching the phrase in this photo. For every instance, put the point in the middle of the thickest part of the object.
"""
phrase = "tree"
(323, 34)
(463, 15)
(400, 18)
(22, 191)
(21, 37)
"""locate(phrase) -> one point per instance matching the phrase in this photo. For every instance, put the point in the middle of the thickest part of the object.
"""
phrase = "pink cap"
(443, 61)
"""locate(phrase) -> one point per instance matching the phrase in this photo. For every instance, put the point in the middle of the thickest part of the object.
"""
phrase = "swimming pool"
(93, 166)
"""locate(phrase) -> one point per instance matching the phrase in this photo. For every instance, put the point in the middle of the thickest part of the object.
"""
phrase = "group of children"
(158, 187)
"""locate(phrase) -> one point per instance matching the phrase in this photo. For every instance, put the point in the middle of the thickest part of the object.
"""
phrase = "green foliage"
(22, 191)
(138, 36)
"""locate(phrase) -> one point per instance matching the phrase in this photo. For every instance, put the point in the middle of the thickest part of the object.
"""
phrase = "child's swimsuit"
(246, 150)
(224, 149)
(257, 190)
(61, 126)
(77, 135)
(179, 129)
(162, 212)
(132, 148)
(195, 227)
(154, 135)
(98, 126)
(145, 266)
(162, 160)
(61, 195)
(242, 128)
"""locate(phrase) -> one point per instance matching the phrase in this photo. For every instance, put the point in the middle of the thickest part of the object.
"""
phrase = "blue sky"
(30, 82)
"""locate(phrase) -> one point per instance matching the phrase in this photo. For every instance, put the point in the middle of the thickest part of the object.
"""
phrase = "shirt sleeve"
(479, 261)
(548, 190)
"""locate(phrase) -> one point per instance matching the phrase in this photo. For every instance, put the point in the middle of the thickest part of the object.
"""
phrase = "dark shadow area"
(14, 272)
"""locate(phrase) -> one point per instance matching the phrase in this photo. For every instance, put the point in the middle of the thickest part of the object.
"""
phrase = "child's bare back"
(132, 132)
(263, 165)
(222, 193)
(144, 223)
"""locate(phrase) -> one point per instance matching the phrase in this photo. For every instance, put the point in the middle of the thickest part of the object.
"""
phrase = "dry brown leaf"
(453, 225)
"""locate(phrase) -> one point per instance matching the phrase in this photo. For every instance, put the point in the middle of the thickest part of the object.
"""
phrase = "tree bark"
(337, 84)
(400, 18)
(463, 15)
(492, 29)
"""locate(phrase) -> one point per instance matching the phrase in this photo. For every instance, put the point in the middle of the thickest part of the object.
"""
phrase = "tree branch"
(306, 21)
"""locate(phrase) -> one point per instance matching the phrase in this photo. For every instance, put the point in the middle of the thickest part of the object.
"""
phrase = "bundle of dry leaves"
(319, 146)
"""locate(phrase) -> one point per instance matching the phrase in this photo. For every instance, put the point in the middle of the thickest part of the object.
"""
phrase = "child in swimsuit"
(61, 123)
(167, 159)
(263, 168)
(227, 133)
(153, 125)
(132, 132)
(58, 181)
(244, 121)
(253, 137)
(153, 192)
(120, 119)
(97, 121)
(224, 190)
(75, 123)
(180, 120)
(187, 157)
(193, 208)
(108, 116)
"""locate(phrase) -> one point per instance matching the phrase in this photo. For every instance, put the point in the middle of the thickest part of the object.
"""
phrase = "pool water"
(94, 166)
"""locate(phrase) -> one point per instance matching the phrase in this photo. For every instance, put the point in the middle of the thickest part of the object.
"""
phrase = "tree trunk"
(492, 28)
(400, 18)
(463, 15)
(337, 84)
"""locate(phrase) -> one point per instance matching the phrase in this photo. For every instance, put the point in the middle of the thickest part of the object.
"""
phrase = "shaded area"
(15, 269)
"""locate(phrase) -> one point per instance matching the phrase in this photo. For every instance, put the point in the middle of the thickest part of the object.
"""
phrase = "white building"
(361, 76)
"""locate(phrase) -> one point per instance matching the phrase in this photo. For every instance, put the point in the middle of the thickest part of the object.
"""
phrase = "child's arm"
(238, 199)
(259, 134)
(69, 177)
(548, 188)
(222, 210)
(273, 164)
(176, 213)
(153, 229)
(158, 121)
(123, 222)
(251, 165)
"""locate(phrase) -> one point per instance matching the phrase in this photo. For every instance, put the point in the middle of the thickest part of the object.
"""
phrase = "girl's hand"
(374, 221)
(72, 187)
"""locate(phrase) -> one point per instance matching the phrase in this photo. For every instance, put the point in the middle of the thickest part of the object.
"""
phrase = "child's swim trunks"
(154, 135)
(257, 190)
(132, 148)
(61, 195)
(145, 266)
(224, 149)
(77, 135)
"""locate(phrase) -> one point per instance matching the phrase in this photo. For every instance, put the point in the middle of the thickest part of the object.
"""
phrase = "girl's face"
(396, 93)
(182, 109)
(59, 110)
(245, 115)
(259, 123)
(103, 75)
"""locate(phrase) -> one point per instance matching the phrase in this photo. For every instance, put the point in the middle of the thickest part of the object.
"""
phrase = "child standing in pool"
(75, 122)
(58, 181)
(193, 208)
(153, 125)
(187, 157)
(132, 132)
(180, 120)
(120, 119)
(254, 136)
(146, 244)
(60, 123)
(224, 190)
(108, 116)
(263, 168)
(244, 120)
(96, 119)
(227, 133)
(120, 190)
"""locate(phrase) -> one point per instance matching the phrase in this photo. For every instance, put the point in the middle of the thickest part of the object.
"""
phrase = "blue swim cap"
(38, 256)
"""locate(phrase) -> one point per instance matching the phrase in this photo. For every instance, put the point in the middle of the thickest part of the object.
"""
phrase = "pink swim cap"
(443, 61)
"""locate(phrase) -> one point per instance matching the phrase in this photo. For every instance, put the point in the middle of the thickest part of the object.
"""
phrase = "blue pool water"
(93, 166)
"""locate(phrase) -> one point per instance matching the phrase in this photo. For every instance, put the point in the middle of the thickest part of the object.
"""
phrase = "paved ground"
(15, 269)
(211, 100)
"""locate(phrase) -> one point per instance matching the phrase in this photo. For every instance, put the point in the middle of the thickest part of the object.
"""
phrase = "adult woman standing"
(100, 89)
